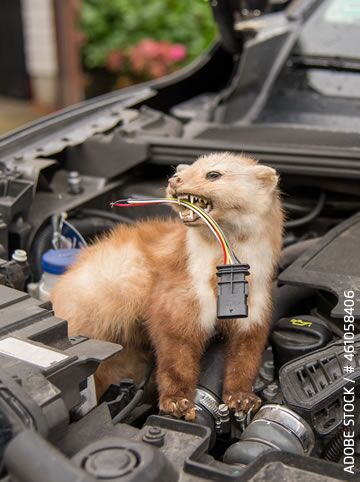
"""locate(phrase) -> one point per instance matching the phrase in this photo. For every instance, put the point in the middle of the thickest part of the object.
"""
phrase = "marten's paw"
(243, 402)
(178, 407)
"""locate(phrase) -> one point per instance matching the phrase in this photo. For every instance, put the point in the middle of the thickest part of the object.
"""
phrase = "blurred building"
(39, 52)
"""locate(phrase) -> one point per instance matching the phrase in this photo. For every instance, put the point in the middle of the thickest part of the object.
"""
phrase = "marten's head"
(226, 185)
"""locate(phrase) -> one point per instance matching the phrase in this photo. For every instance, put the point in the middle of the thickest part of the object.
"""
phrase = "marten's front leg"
(178, 356)
(242, 363)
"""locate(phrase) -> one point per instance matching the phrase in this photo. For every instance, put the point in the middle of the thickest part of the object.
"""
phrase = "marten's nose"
(175, 181)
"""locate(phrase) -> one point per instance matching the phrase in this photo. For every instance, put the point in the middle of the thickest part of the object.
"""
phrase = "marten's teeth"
(199, 201)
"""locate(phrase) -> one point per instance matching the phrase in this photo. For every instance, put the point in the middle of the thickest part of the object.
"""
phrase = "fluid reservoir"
(54, 263)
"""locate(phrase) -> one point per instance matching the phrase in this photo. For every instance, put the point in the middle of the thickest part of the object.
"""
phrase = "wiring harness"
(229, 255)
(232, 284)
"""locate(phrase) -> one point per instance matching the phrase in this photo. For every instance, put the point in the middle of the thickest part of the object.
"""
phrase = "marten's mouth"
(186, 214)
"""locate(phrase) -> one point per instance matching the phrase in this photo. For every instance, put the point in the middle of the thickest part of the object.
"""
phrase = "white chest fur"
(202, 257)
(258, 254)
(202, 261)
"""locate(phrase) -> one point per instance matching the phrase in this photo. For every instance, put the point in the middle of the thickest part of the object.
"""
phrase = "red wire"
(132, 205)
(224, 251)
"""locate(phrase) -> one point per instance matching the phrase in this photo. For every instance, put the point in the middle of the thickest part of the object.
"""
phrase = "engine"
(309, 380)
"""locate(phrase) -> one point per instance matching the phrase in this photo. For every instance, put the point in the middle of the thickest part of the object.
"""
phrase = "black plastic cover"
(313, 385)
(331, 264)
(296, 336)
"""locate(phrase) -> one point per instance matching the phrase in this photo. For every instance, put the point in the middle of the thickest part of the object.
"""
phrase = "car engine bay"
(57, 180)
(301, 381)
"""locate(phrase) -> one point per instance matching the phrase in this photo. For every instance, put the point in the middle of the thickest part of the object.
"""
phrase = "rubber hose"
(98, 213)
(335, 448)
(295, 223)
(134, 402)
(212, 366)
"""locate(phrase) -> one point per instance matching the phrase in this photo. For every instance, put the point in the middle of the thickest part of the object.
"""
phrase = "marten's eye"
(213, 175)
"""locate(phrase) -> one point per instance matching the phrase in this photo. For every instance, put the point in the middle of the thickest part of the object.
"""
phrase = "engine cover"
(331, 265)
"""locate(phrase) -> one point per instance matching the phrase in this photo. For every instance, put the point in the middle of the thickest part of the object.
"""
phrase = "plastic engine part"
(296, 336)
(57, 261)
(313, 385)
(274, 427)
(232, 291)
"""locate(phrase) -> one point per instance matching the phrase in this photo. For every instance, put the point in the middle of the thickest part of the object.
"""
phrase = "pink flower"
(149, 48)
(178, 52)
(155, 58)
(137, 60)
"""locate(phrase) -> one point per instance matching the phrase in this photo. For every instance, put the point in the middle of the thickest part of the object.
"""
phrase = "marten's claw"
(243, 402)
(178, 407)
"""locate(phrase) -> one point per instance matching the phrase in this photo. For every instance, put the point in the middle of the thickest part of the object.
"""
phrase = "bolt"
(272, 388)
(154, 436)
(271, 391)
(223, 410)
(154, 431)
(74, 182)
(223, 424)
(240, 417)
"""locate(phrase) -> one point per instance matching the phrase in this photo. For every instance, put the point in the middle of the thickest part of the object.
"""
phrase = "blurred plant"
(155, 58)
(144, 39)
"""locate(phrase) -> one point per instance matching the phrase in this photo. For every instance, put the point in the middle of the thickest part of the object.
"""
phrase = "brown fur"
(136, 286)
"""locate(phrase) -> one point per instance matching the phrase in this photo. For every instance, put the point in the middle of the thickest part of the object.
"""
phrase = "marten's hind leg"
(130, 363)
(102, 297)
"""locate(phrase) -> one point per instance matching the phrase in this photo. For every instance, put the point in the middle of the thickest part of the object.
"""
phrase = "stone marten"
(151, 286)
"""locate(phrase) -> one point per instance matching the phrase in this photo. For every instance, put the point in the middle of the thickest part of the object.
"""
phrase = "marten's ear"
(181, 167)
(267, 176)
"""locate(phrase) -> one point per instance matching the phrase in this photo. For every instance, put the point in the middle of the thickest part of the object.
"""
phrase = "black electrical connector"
(232, 291)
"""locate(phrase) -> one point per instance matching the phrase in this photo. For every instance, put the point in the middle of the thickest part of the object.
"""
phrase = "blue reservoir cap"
(57, 261)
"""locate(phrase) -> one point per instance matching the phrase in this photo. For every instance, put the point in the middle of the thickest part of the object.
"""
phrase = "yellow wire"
(214, 225)
(209, 219)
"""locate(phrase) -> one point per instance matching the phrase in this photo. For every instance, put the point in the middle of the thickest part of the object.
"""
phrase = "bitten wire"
(229, 255)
